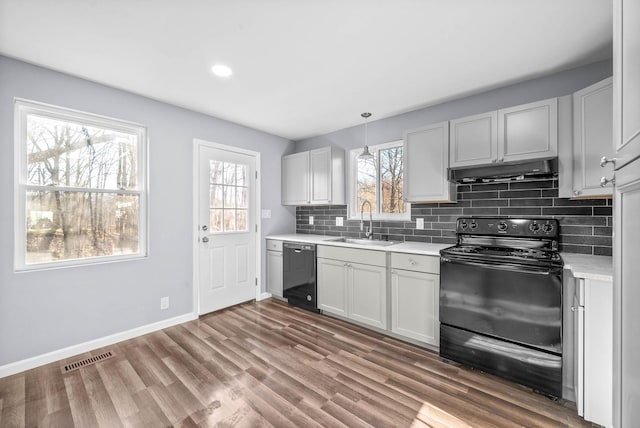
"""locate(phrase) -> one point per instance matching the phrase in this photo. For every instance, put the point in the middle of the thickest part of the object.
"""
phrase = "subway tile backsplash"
(585, 225)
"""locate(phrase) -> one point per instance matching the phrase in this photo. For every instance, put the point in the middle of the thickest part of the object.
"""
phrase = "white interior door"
(227, 228)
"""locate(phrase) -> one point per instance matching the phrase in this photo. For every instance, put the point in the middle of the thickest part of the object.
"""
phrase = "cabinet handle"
(494, 160)
(573, 309)
(604, 161)
(501, 160)
(576, 192)
(413, 262)
(604, 181)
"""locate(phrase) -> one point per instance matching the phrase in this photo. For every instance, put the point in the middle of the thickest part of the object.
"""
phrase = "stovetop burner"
(529, 241)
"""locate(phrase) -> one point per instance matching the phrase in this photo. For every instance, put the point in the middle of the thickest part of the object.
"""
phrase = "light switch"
(310, 219)
(419, 223)
(266, 213)
(339, 221)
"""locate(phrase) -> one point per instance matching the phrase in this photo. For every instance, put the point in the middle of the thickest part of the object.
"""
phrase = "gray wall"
(392, 128)
(48, 310)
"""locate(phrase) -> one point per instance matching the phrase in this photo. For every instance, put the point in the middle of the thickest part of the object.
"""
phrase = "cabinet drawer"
(416, 262)
(353, 255)
(274, 245)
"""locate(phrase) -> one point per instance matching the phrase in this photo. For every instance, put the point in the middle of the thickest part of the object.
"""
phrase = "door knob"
(604, 181)
(604, 161)
(205, 239)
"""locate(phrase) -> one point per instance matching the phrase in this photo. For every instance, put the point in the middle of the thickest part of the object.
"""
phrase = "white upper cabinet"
(425, 160)
(528, 131)
(295, 179)
(474, 140)
(524, 132)
(315, 177)
(592, 138)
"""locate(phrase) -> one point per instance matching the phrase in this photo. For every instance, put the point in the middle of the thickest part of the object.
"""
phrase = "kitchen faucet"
(369, 232)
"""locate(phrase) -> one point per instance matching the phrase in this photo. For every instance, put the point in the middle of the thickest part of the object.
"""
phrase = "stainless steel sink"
(371, 242)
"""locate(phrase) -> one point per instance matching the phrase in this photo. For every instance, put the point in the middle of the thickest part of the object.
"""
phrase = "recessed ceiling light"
(221, 70)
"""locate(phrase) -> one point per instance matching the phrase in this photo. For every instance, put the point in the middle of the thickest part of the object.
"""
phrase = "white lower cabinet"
(352, 283)
(415, 296)
(593, 327)
(368, 298)
(274, 267)
(332, 286)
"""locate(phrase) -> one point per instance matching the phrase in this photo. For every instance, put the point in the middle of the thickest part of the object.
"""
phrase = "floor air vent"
(86, 362)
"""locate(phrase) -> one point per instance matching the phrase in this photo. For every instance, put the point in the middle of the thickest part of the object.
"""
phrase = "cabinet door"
(274, 273)
(332, 286)
(368, 294)
(626, 205)
(592, 138)
(528, 131)
(320, 167)
(295, 179)
(414, 305)
(598, 351)
(426, 159)
(474, 140)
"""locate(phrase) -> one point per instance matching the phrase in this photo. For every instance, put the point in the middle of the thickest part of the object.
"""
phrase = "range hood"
(505, 171)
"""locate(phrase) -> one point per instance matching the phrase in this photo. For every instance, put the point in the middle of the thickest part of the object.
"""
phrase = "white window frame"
(22, 109)
(354, 209)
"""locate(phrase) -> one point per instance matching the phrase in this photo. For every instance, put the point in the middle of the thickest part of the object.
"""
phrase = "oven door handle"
(539, 270)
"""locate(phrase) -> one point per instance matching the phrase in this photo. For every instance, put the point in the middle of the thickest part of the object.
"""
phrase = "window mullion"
(379, 183)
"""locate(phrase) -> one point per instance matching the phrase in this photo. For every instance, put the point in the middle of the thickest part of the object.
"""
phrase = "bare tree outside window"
(81, 190)
(391, 180)
(379, 180)
(229, 197)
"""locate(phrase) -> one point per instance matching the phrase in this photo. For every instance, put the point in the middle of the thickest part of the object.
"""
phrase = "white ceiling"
(302, 67)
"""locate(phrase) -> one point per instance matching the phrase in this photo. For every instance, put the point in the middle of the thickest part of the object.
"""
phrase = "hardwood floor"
(268, 364)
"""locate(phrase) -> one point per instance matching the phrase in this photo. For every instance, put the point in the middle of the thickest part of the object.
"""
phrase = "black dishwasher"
(299, 275)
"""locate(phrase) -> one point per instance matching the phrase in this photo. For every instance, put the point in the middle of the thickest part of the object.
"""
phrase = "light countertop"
(580, 265)
(589, 267)
(403, 247)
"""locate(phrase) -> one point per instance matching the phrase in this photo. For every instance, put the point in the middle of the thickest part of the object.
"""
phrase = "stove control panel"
(500, 226)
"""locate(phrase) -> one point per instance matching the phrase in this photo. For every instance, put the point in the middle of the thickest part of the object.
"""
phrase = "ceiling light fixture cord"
(365, 153)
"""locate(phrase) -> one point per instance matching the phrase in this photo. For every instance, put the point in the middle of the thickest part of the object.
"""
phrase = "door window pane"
(215, 218)
(229, 192)
(241, 221)
(216, 200)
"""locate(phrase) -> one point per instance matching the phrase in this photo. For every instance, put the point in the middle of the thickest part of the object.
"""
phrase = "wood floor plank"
(120, 396)
(81, 411)
(267, 364)
(13, 395)
(101, 403)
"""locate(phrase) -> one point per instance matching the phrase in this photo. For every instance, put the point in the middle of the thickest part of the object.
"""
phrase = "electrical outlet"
(419, 223)
(164, 303)
(310, 219)
(339, 221)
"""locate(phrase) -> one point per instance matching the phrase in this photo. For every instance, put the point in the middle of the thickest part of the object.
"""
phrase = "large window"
(80, 194)
(379, 181)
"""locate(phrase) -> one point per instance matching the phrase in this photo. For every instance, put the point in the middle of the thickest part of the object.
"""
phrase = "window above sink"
(379, 181)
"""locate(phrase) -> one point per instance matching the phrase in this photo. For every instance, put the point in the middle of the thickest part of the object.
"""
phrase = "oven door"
(518, 303)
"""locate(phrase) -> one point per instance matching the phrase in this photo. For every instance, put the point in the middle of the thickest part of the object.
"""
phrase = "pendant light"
(366, 155)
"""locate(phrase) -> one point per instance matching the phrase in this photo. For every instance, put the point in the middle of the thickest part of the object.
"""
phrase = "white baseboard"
(263, 296)
(60, 354)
